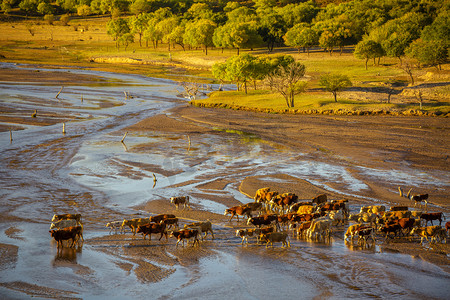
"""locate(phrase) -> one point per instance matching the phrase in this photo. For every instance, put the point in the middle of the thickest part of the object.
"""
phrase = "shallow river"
(88, 170)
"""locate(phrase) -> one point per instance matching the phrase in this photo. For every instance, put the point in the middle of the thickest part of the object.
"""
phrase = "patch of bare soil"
(8, 256)
(34, 290)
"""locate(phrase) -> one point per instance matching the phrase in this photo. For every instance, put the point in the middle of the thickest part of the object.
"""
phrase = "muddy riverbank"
(219, 158)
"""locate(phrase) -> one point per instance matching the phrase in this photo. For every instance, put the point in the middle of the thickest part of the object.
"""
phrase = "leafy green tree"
(166, 27)
(241, 69)
(138, 25)
(176, 36)
(294, 14)
(29, 6)
(199, 33)
(84, 10)
(152, 33)
(301, 36)
(367, 49)
(432, 52)
(271, 27)
(241, 14)
(126, 39)
(396, 35)
(219, 71)
(287, 81)
(138, 7)
(7, 6)
(335, 83)
(199, 11)
(439, 30)
(237, 35)
(45, 8)
(118, 28)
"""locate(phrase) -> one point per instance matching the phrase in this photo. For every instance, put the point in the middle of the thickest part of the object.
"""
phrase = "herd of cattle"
(272, 216)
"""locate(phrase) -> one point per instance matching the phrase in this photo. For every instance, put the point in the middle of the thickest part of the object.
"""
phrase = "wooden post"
(189, 141)
(81, 98)
(64, 128)
(10, 136)
(59, 92)
(124, 137)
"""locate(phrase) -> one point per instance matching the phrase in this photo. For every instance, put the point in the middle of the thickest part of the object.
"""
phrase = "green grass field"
(85, 43)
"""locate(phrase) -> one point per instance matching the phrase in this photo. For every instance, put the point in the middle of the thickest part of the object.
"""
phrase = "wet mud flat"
(230, 156)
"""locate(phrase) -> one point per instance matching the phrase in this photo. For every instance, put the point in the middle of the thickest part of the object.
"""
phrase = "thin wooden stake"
(59, 92)
(189, 140)
(154, 177)
(124, 137)
(10, 136)
(81, 98)
(64, 128)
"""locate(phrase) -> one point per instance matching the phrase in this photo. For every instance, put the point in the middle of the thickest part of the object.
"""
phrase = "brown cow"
(272, 237)
(134, 223)
(205, 227)
(185, 234)
(302, 227)
(76, 217)
(259, 221)
(238, 211)
(171, 222)
(261, 194)
(161, 217)
(320, 199)
(69, 233)
(431, 217)
(283, 200)
(148, 229)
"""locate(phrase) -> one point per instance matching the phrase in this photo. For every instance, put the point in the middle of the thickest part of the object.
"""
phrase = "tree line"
(394, 28)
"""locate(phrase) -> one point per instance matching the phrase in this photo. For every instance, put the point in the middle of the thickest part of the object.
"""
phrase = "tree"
(272, 63)
(166, 27)
(367, 49)
(239, 69)
(432, 52)
(271, 27)
(335, 83)
(293, 14)
(28, 5)
(117, 28)
(301, 36)
(176, 36)
(200, 33)
(140, 6)
(44, 8)
(138, 25)
(219, 71)
(287, 82)
(237, 35)
(84, 10)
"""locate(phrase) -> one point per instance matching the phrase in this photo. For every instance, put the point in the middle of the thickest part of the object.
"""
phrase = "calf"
(337, 216)
(272, 237)
(148, 229)
(180, 200)
(352, 231)
(388, 229)
(76, 217)
(114, 225)
(375, 209)
(254, 206)
(171, 222)
(431, 217)
(238, 211)
(294, 207)
(364, 233)
(134, 223)
(245, 234)
(185, 234)
(64, 224)
(305, 209)
(427, 232)
(302, 227)
(70, 233)
(205, 227)
(319, 228)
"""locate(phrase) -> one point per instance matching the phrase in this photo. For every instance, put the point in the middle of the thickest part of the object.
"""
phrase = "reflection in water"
(360, 245)
(66, 255)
